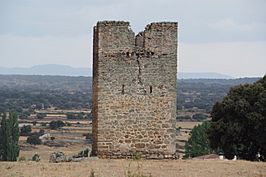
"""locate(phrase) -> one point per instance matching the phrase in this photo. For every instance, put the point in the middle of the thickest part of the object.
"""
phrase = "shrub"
(36, 158)
(41, 132)
(22, 158)
(25, 130)
(136, 156)
(198, 143)
(43, 124)
(34, 139)
(56, 124)
(68, 124)
(40, 115)
(84, 153)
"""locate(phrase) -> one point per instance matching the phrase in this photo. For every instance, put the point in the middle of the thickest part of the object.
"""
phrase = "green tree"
(34, 139)
(9, 135)
(25, 130)
(198, 143)
(55, 124)
(238, 125)
(40, 115)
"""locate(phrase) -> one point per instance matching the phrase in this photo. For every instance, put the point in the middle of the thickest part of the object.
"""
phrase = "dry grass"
(45, 151)
(124, 168)
(120, 168)
(187, 125)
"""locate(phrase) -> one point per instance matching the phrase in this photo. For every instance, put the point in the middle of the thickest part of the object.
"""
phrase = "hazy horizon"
(227, 37)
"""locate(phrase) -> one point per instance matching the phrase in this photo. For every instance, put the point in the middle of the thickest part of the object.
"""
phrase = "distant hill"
(51, 69)
(205, 75)
(64, 70)
(19, 92)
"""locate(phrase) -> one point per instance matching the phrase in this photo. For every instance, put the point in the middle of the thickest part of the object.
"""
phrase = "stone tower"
(134, 90)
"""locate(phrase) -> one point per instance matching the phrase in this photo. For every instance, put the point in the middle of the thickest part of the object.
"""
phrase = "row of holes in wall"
(128, 54)
(123, 89)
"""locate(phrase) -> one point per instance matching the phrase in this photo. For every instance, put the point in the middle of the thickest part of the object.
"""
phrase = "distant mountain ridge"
(65, 70)
(203, 75)
(50, 69)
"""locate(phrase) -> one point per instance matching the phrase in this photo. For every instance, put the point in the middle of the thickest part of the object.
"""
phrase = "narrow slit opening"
(150, 89)
(123, 89)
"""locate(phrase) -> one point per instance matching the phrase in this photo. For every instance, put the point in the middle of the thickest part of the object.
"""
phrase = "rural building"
(134, 90)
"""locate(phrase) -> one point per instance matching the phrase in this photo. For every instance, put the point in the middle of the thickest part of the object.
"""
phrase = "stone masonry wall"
(134, 90)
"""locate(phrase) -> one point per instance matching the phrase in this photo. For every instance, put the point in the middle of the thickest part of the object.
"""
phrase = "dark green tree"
(55, 124)
(40, 115)
(9, 135)
(238, 125)
(198, 143)
(34, 139)
(25, 130)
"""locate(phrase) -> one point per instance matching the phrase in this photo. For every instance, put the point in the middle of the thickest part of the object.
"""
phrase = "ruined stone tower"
(134, 90)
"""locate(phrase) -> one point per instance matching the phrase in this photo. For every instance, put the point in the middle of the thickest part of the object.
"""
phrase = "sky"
(224, 36)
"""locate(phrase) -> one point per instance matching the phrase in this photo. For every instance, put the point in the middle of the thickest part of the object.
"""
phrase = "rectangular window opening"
(123, 89)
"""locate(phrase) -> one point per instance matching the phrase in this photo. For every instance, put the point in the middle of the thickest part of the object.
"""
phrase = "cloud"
(213, 35)
(199, 21)
(28, 51)
(231, 25)
(237, 59)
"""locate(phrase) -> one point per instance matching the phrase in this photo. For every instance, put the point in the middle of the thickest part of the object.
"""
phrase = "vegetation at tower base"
(9, 135)
(238, 125)
(198, 144)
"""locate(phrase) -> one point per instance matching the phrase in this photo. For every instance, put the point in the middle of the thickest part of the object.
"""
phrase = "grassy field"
(140, 168)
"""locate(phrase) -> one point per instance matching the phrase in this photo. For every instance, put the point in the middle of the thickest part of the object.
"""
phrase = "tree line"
(237, 127)
(23, 94)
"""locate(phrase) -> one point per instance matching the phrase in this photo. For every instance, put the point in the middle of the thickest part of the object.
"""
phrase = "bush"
(40, 115)
(68, 124)
(41, 132)
(136, 156)
(56, 124)
(25, 130)
(43, 124)
(36, 158)
(84, 153)
(198, 143)
(22, 158)
(34, 139)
